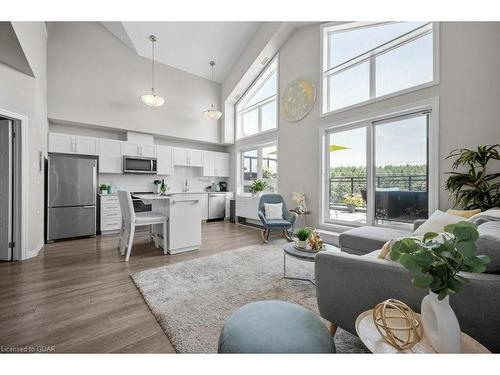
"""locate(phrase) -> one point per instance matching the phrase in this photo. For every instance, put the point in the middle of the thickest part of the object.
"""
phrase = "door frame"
(20, 158)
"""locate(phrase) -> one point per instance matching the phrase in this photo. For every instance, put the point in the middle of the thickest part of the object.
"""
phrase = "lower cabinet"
(111, 216)
(247, 206)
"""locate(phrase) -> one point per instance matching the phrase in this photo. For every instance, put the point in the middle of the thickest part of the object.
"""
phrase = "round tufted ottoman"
(275, 327)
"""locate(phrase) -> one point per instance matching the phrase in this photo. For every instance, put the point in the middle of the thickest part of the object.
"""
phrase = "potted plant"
(476, 188)
(352, 201)
(157, 184)
(302, 235)
(435, 262)
(258, 187)
(103, 189)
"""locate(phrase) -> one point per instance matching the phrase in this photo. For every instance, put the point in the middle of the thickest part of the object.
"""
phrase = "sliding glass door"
(378, 171)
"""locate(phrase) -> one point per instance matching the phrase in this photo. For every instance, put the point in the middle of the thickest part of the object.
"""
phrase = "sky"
(396, 143)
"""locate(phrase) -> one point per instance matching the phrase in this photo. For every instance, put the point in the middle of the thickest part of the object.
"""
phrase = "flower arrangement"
(353, 200)
(300, 199)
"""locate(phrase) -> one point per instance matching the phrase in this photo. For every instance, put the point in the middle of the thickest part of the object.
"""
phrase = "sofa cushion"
(488, 244)
(437, 221)
(363, 240)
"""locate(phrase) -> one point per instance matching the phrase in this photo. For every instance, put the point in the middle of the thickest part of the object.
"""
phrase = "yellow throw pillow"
(464, 213)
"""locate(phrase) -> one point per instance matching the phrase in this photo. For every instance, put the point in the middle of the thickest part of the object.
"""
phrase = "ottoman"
(275, 327)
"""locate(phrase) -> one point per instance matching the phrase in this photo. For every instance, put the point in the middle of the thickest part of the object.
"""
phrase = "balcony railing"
(397, 197)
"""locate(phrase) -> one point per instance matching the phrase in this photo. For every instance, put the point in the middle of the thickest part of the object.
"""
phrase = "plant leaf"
(430, 235)
(466, 248)
(422, 280)
(408, 261)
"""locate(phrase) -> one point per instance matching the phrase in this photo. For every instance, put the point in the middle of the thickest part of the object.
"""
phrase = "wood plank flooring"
(77, 295)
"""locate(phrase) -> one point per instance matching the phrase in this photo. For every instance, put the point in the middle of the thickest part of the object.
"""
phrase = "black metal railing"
(342, 185)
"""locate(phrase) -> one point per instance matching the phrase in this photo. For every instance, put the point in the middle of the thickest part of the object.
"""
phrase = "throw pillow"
(464, 213)
(273, 211)
(437, 222)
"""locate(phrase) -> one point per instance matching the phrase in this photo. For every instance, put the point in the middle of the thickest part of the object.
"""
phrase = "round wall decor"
(298, 99)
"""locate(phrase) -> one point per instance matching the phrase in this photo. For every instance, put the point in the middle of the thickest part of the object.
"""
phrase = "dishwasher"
(216, 206)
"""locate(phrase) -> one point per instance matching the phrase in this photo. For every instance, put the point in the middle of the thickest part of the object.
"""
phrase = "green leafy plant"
(303, 234)
(103, 187)
(353, 200)
(475, 188)
(258, 186)
(436, 260)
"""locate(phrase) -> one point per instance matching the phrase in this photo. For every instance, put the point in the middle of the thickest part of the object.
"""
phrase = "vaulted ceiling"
(189, 46)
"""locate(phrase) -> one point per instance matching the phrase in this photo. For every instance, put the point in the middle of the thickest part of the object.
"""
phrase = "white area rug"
(191, 300)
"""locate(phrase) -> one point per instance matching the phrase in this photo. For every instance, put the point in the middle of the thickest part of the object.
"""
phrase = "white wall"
(25, 95)
(469, 95)
(96, 79)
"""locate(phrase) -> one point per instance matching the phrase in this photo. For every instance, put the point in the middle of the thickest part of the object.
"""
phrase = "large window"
(378, 170)
(260, 162)
(256, 110)
(367, 61)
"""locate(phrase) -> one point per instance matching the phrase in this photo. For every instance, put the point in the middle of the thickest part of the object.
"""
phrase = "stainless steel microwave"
(139, 164)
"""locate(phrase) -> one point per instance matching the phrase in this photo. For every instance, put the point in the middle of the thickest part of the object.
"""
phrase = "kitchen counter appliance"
(139, 165)
(71, 196)
(216, 206)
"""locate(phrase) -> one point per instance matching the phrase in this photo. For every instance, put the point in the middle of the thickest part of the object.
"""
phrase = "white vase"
(301, 244)
(441, 324)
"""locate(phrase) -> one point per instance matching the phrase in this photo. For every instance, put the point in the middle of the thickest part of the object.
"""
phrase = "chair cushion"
(488, 244)
(147, 217)
(367, 239)
(275, 327)
(278, 223)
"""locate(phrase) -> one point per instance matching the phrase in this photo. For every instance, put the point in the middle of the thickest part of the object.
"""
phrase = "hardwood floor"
(77, 295)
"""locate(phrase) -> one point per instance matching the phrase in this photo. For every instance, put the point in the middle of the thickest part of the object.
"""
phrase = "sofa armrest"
(347, 285)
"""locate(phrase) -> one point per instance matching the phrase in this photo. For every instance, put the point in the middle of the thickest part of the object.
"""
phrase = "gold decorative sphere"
(398, 324)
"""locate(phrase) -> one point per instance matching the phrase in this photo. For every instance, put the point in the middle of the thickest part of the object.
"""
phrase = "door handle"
(186, 201)
(88, 206)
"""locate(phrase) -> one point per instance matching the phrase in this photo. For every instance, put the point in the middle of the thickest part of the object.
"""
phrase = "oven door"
(137, 164)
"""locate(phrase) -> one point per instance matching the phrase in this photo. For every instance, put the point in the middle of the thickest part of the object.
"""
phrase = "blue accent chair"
(284, 225)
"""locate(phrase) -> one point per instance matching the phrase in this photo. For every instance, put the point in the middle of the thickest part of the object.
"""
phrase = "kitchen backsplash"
(133, 182)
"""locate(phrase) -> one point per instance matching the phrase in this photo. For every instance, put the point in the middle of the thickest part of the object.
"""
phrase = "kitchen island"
(184, 221)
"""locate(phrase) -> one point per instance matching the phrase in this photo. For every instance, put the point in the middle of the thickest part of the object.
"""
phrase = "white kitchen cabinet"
(136, 149)
(86, 145)
(61, 143)
(71, 144)
(164, 160)
(204, 205)
(111, 216)
(247, 207)
(187, 157)
(110, 156)
(215, 164)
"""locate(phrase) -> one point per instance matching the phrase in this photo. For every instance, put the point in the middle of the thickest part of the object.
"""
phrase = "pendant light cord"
(153, 66)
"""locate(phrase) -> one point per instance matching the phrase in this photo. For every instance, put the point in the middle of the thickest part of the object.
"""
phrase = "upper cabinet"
(135, 149)
(188, 157)
(73, 144)
(164, 160)
(215, 164)
(110, 156)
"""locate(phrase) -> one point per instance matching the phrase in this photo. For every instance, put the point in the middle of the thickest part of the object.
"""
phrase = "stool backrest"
(126, 205)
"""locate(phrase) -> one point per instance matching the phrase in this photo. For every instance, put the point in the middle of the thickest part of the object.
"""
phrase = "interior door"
(5, 189)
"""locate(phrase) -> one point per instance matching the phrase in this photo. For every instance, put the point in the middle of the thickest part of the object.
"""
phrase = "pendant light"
(212, 113)
(152, 99)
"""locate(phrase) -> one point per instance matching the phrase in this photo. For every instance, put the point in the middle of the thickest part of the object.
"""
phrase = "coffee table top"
(367, 332)
(290, 249)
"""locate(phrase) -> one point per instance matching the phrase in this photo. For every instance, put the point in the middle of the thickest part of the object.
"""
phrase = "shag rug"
(191, 300)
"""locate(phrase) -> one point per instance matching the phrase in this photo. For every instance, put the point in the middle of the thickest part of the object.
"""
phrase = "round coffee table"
(306, 256)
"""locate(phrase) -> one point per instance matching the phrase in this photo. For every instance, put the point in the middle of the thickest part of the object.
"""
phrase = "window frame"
(431, 105)
(259, 147)
(370, 56)
(238, 118)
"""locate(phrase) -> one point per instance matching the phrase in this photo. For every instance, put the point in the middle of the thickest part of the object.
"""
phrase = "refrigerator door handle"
(88, 206)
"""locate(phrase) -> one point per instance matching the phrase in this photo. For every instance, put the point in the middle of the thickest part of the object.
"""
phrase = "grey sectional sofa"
(348, 284)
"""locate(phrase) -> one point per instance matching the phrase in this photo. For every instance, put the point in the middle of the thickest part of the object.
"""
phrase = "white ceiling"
(190, 46)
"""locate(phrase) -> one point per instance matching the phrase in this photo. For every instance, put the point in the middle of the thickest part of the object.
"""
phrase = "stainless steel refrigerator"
(71, 196)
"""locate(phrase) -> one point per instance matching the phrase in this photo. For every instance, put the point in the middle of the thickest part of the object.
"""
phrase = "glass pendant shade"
(212, 114)
(152, 100)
